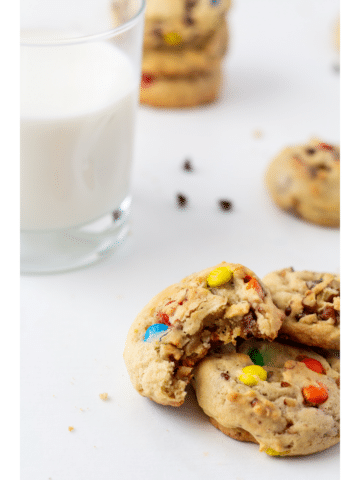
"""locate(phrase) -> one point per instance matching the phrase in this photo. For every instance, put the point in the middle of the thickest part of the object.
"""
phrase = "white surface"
(279, 80)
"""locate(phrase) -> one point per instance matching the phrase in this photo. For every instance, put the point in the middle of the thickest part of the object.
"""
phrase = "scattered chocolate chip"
(287, 311)
(116, 214)
(254, 402)
(310, 151)
(285, 384)
(181, 200)
(187, 166)
(225, 205)
(225, 375)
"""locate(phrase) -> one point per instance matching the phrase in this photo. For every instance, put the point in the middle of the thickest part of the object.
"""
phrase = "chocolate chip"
(181, 200)
(311, 284)
(287, 311)
(116, 214)
(310, 151)
(225, 375)
(188, 20)
(225, 205)
(187, 166)
(254, 402)
(285, 384)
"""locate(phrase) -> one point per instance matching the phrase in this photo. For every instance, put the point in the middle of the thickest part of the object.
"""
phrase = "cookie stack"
(184, 45)
(216, 329)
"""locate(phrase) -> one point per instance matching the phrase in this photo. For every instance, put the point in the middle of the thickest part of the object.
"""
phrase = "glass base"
(60, 250)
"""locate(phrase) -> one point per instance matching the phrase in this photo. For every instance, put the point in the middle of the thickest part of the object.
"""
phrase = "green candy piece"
(256, 357)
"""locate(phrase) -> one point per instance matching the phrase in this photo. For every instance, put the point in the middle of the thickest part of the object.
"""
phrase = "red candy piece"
(164, 318)
(324, 146)
(313, 365)
(313, 394)
(146, 80)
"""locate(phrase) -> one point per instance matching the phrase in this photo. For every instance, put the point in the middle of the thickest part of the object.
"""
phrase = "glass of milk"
(80, 73)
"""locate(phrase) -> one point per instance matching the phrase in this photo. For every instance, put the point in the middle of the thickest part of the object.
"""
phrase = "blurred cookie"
(178, 22)
(305, 181)
(183, 322)
(180, 91)
(185, 60)
(284, 398)
(311, 303)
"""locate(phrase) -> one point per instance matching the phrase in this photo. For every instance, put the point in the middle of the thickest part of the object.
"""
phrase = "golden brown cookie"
(180, 91)
(284, 398)
(187, 60)
(311, 303)
(304, 180)
(182, 323)
(178, 22)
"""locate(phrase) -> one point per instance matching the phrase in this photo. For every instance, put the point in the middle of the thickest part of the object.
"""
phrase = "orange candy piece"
(253, 283)
(313, 394)
(313, 365)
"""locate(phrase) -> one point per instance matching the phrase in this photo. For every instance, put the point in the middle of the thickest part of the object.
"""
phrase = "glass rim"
(127, 25)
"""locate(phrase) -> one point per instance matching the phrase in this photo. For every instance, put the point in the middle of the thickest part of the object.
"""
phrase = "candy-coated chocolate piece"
(146, 80)
(256, 370)
(274, 453)
(173, 38)
(219, 276)
(256, 357)
(314, 394)
(155, 332)
(248, 379)
(253, 283)
(313, 365)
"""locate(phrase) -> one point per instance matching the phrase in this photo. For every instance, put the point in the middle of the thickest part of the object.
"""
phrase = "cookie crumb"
(225, 205)
(187, 166)
(70, 429)
(181, 200)
(257, 134)
(103, 396)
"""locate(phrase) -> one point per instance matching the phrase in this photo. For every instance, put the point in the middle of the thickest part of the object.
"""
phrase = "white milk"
(76, 133)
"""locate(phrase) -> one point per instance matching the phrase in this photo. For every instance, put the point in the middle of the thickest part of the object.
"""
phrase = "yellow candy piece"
(274, 453)
(173, 38)
(249, 380)
(219, 276)
(256, 370)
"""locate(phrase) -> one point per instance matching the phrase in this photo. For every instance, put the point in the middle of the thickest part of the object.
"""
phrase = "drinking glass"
(80, 74)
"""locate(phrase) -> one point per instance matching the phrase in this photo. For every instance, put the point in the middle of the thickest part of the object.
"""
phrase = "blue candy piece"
(155, 332)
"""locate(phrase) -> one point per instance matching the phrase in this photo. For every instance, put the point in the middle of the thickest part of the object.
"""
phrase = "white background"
(279, 80)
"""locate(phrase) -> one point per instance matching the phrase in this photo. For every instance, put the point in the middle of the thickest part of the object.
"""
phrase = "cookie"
(305, 180)
(179, 326)
(182, 22)
(284, 398)
(180, 91)
(184, 61)
(311, 303)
